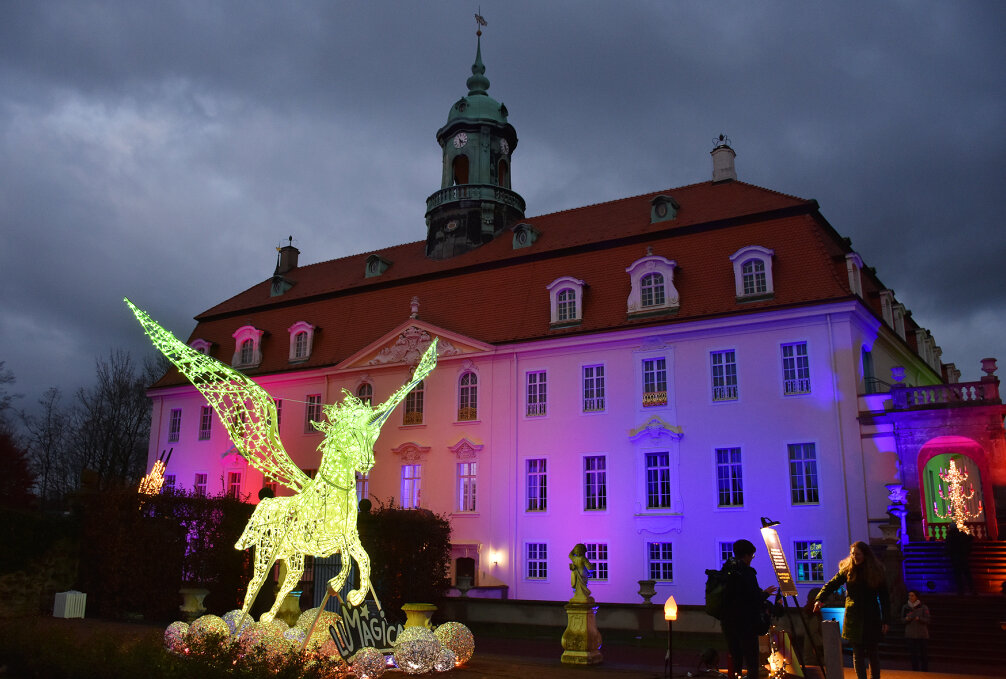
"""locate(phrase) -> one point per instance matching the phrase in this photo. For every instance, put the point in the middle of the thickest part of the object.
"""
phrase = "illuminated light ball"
(279, 624)
(368, 663)
(321, 635)
(207, 625)
(306, 618)
(458, 638)
(174, 637)
(296, 636)
(416, 650)
(232, 617)
(446, 660)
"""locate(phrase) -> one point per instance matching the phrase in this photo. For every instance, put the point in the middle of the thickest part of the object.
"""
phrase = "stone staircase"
(965, 631)
(927, 567)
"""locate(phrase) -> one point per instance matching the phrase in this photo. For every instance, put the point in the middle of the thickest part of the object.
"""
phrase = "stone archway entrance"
(935, 458)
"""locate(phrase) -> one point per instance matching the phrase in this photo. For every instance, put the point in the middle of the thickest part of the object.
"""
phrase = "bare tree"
(6, 398)
(111, 422)
(46, 438)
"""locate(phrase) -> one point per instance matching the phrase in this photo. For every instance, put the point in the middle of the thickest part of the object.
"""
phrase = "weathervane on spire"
(480, 21)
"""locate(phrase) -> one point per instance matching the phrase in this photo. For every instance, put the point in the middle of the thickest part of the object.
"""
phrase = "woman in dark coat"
(867, 604)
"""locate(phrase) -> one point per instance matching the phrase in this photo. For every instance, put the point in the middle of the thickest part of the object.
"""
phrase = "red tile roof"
(498, 295)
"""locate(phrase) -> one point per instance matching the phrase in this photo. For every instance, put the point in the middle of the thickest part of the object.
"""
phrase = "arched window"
(652, 290)
(468, 397)
(753, 273)
(460, 167)
(300, 345)
(414, 406)
(566, 306)
(502, 170)
(365, 393)
(247, 351)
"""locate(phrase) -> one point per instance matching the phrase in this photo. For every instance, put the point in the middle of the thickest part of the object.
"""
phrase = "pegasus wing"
(245, 409)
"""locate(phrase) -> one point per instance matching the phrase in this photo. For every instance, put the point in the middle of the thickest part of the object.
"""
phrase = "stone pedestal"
(192, 601)
(581, 642)
(418, 615)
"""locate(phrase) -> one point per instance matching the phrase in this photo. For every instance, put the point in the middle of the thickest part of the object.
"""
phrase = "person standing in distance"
(867, 606)
(744, 603)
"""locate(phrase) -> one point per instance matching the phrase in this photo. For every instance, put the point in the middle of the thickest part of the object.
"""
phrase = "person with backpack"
(867, 606)
(744, 610)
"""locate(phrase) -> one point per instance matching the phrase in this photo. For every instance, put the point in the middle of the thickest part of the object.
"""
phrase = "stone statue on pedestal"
(581, 642)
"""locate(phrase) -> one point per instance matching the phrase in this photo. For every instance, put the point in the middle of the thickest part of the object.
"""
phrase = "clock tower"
(475, 202)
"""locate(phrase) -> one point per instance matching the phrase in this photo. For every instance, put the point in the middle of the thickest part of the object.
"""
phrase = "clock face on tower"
(504, 147)
(460, 139)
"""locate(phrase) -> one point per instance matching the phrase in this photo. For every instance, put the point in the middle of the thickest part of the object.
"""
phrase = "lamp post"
(670, 615)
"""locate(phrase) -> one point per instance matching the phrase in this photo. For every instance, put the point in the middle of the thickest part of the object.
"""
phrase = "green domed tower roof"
(475, 202)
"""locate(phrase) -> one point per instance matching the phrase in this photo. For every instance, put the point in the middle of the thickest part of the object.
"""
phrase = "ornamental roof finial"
(478, 83)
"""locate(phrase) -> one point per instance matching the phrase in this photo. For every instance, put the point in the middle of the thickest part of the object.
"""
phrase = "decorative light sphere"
(232, 617)
(416, 650)
(278, 624)
(458, 638)
(306, 618)
(446, 660)
(295, 635)
(368, 663)
(174, 637)
(207, 625)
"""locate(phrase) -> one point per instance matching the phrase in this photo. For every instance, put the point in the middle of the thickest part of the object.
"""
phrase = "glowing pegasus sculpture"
(320, 518)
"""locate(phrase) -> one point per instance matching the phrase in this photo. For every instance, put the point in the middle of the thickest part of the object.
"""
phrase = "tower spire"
(478, 83)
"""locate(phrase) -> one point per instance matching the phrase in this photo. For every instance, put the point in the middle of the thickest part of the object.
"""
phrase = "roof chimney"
(723, 160)
(286, 260)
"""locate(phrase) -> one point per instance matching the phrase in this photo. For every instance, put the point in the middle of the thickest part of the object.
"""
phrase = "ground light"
(670, 615)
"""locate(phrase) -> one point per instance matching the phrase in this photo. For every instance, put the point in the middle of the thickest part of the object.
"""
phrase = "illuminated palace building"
(648, 376)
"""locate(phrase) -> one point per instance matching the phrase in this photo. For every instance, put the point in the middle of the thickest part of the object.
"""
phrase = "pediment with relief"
(407, 343)
(655, 427)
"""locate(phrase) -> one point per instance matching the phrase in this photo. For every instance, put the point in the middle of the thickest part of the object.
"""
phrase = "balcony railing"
(946, 395)
(654, 398)
(475, 192)
(413, 417)
(536, 409)
(796, 386)
(467, 414)
(593, 405)
(728, 393)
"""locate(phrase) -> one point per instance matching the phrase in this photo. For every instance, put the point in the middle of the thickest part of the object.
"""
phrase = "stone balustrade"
(937, 395)
(475, 192)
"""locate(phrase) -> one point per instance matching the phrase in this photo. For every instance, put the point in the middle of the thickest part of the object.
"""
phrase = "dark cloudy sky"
(161, 150)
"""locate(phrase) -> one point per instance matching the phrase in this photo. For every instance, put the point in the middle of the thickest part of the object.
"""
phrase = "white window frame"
(595, 483)
(467, 486)
(362, 486)
(729, 477)
(295, 330)
(241, 335)
(655, 483)
(468, 396)
(802, 556)
(536, 393)
(597, 554)
(200, 480)
(653, 397)
(660, 561)
(887, 307)
(854, 267)
(536, 502)
(365, 392)
(536, 553)
(412, 485)
(312, 412)
(724, 550)
(804, 477)
(234, 481)
(748, 254)
(412, 412)
(643, 267)
(563, 283)
(175, 425)
(592, 386)
(169, 483)
(724, 383)
(205, 423)
(279, 412)
(795, 376)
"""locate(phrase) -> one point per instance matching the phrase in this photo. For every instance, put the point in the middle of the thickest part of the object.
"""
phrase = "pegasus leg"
(356, 597)
(294, 569)
(336, 583)
(265, 557)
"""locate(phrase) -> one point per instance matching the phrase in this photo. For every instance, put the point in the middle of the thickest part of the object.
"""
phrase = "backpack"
(716, 591)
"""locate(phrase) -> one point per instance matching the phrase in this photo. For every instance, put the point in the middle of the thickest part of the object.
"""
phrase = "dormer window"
(887, 306)
(201, 345)
(663, 209)
(854, 266)
(376, 265)
(753, 273)
(652, 281)
(301, 341)
(247, 347)
(566, 300)
(524, 235)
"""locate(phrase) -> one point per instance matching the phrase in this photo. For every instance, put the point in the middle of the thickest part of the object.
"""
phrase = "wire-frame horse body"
(320, 518)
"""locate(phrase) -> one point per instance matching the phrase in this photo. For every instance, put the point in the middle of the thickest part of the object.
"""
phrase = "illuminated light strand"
(151, 483)
(957, 497)
(320, 518)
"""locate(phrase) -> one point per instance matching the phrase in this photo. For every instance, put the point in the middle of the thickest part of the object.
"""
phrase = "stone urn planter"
(418, 615)
(647, 590)
(192, 601)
